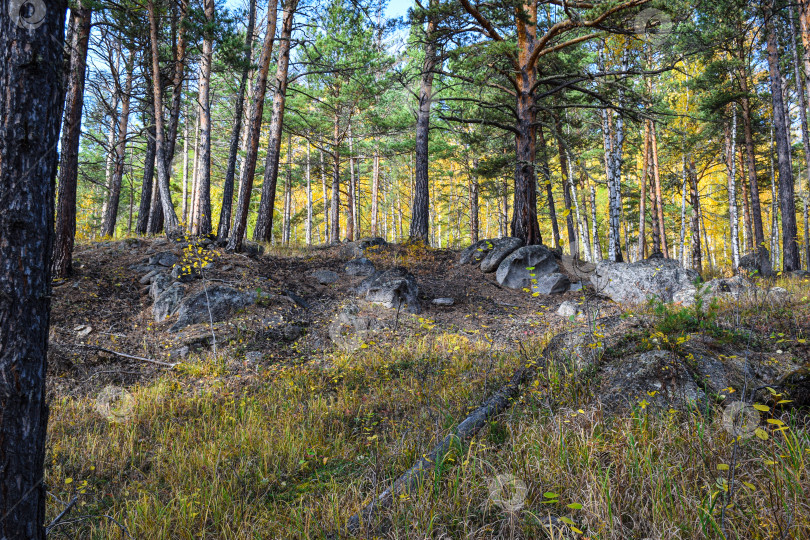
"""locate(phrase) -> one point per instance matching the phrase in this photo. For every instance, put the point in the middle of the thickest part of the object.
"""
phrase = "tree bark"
(30, 116)
(375, 188)
(111, 215)
(224, 227)
(697, 259)
(254, 133)
(202, 223)
(264, 219)
(69, 166)
(170, 222)
(142, 224)
(787, 206)
(659, 200)
(325, 199)
(642, 204)
(474, 189)
(420, 208)
(335, 206)
(565, 174)
(309, 196)
(545, 171)
(731, 163)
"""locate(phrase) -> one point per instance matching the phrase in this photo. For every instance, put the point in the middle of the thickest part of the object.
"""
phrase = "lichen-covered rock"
(349, 329)
(757, 263)
(638, 282)
(216, 303)
(525, 264)
(361, 247)
(655, 379)
(164, 258)
(501, 249)
(167, 302)
(160, 283)
(360, 267)
(393, 289)
(325, 277)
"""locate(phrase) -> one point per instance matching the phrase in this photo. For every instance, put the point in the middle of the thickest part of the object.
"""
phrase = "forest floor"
(280, 433)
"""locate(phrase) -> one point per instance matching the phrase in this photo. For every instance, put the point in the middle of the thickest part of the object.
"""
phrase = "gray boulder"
(325, 277)
(443, 301)
(360, 267)
(166, 303)
(217, 304)
(164, 258)
(501, 249)
(393, 288)
(757, 263)
(476, 253)
(551, 284)
(362, 246)
(638, 282)
(514, 271)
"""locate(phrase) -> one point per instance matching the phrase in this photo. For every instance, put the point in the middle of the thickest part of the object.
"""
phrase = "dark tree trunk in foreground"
(31, 60)
(69, 167)
(254, 132)
(111, 215)
(142, 224)
(171, 225)
(545, 171)
(420, 209)
(264, 219)
(787, 206)
(227, 189)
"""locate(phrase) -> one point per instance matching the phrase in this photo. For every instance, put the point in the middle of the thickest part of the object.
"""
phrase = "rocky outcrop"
(756, 263)
(360, 267)
(525, 264)
(167, 302)
(325, 277)
(212, 304)
(638, 282)
(394, 288)
(349, 329)
(501, 249)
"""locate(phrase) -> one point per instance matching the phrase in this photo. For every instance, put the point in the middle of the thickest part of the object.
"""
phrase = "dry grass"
(293, 449)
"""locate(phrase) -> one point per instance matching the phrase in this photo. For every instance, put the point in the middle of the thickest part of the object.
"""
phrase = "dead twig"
(125, 355)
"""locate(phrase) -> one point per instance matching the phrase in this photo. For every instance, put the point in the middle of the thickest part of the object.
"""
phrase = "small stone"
(83, 330)
(254, 356)
(443, 301)
(147, 279)
(227, 268)
(568, 309)
(180, 352)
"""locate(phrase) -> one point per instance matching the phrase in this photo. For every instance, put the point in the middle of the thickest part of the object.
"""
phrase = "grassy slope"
(292, 450)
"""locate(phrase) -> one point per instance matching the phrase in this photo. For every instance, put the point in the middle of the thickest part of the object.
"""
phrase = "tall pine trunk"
(787, 206)
(224, 227)
(420, 208)
(69, 166)
(170, 222)
(264, 219)
(111, 214)
(254, 133)
(731, 166)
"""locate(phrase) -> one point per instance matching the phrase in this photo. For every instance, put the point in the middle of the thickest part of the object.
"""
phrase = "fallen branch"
(130, 356)
(471, 425)
(62, 515)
